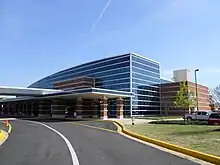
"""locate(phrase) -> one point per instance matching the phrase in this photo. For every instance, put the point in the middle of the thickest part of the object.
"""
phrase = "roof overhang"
(87, 93)
(22, 91)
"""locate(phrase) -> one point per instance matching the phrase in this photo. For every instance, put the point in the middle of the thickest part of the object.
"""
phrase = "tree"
(184, 98)
(215, 96)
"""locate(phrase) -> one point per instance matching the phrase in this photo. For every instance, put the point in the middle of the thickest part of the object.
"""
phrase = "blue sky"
(40, 37)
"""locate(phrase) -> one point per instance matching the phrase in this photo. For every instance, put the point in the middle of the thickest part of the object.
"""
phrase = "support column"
(104, 108)
(58, 108)
(44, 109)
(79, 106)
(119, 108)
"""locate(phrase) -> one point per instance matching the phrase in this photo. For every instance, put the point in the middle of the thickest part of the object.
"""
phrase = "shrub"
(179, 122)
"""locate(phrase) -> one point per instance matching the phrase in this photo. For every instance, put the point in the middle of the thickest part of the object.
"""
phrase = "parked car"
(199, 115)
(214, 118)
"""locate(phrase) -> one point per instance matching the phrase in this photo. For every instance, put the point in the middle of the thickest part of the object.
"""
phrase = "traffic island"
(5, 130)
(3, 136)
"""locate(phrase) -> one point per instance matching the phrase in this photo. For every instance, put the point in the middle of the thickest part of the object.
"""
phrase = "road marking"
(75, 160)
(9, 128)
(94, 127)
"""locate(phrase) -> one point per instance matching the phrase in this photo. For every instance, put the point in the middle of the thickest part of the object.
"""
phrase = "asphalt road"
(33, 144)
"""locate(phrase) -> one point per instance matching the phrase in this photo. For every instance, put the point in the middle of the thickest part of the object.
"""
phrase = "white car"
(199, 115)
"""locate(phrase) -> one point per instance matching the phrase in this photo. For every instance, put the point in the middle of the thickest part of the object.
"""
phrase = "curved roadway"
(35, 144)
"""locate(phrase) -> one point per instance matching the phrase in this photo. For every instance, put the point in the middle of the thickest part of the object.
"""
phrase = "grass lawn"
(197, 137)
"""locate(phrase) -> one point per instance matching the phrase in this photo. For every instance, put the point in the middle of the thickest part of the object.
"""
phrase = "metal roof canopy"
(22, 91)
(87, 93)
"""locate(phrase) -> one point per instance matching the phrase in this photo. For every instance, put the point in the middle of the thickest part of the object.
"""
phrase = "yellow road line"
(94, 127)
(1, 135)
(9, 128)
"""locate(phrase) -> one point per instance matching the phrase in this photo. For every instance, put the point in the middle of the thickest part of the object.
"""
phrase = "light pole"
(197, 101)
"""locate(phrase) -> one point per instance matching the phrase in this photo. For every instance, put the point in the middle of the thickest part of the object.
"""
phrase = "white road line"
(75, 160)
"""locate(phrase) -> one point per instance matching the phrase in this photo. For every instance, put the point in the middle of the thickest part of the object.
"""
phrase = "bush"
(179, 122)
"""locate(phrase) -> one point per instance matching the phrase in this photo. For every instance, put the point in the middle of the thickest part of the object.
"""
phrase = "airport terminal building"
(118, 86)
(128, 72)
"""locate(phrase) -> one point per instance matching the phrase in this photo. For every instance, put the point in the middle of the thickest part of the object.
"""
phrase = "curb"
(186, 151)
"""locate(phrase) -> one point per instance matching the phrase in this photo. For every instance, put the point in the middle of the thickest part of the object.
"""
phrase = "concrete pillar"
(104, 108)
(58, 108)
(79, 106)
(44, 108)
(119, 108)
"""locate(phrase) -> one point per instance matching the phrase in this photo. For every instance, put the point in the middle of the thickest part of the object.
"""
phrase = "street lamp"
(197, 102)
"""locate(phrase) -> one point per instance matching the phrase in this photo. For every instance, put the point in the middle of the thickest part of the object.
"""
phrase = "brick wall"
(169, 91)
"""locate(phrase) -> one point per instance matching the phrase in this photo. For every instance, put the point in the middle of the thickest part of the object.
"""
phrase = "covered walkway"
(80, 103)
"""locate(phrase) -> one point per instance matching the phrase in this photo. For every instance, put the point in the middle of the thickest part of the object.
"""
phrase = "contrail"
(100, 16)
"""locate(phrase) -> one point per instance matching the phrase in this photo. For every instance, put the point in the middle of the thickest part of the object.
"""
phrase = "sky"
(41, 37)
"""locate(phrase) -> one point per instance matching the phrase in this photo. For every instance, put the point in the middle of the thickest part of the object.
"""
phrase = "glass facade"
(128, 72)
(145, 76)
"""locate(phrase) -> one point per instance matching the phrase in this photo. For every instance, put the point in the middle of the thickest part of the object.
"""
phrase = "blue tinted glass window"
(145, 67)
(94, 65)
(142, 92)
(114, 77)
(126, 90)
(153, 74)
(109, 72)
(153, 111)
(100, 83)
(146, 98)
(145, 103)
(115, 87)
(127, 108)
(142, 77)
(134, 85)
(146, 62)
(92, 72)
(144, 82)
(149, 88)
(146, 108)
